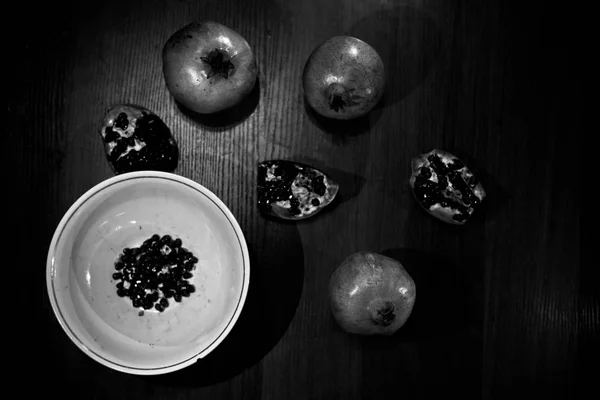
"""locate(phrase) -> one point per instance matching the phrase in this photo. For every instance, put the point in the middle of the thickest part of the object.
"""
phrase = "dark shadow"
(441, 341)
(276, 280)
(408, 41)
(342, 129)
(496, 198)
(442, 304)
(227, 118)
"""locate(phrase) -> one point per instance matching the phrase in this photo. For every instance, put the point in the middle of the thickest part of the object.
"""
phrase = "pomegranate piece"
(445, 187)
(136, 139)
(291, 190)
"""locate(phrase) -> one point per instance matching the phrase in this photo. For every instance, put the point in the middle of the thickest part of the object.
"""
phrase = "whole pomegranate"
(208, 67)
(343, 78)
(371, 294)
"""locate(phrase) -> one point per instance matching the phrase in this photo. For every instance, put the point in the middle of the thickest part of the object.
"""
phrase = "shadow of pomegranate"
(496, 198)
(342, 129)
(276, 281)
(408, 41)
(442, 304)
(227, 118)
(439, 347)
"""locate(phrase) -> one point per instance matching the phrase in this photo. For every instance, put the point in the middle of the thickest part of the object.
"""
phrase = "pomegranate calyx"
(382, 312)
(219, 62)
(339, 97)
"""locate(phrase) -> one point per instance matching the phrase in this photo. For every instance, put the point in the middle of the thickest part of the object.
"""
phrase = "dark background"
(504, 308)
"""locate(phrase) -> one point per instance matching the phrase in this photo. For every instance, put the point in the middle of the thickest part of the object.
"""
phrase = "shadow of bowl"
(227, 118)
(276, 280)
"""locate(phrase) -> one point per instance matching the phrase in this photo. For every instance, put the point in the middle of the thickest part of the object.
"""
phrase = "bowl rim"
(80, 202)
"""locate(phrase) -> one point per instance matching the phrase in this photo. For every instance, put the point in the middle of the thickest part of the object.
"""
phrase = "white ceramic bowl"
(122, 212)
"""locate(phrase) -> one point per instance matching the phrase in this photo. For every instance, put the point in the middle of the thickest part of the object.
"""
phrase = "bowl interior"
(124, 214)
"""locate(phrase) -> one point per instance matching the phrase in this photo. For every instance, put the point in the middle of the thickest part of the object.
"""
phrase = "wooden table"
(504, 308)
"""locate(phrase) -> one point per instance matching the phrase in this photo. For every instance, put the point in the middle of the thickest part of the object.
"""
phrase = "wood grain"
(504, 307)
